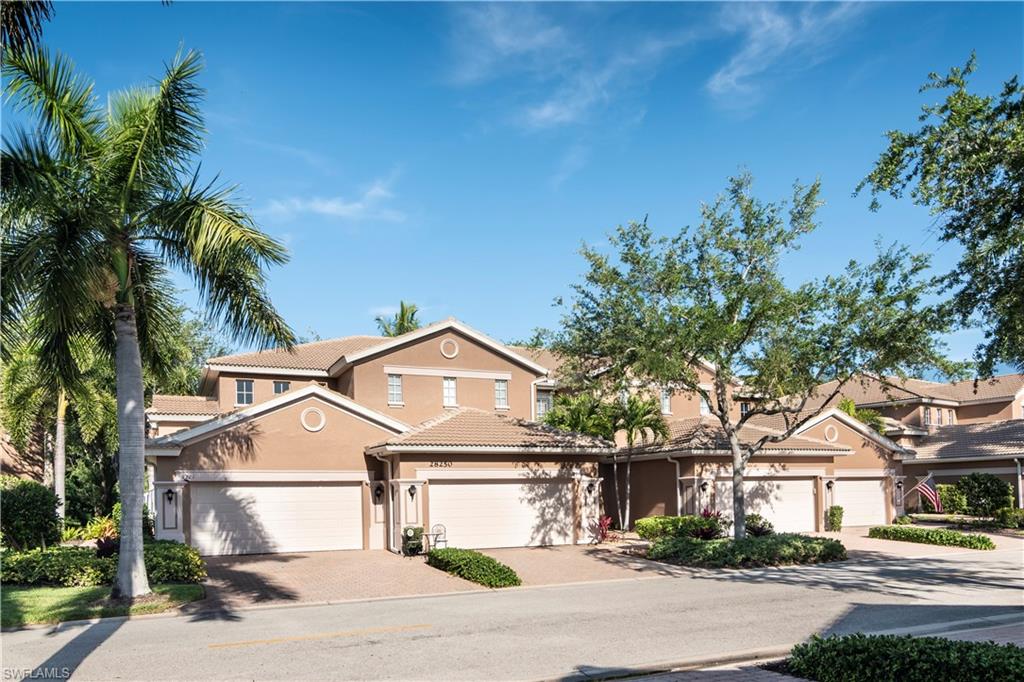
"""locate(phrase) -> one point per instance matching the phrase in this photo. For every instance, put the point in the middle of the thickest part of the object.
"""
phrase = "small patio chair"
(438, 535)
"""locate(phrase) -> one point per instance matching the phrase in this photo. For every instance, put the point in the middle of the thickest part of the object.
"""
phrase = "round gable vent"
(831, 433)
(449, 348)
(313, 419)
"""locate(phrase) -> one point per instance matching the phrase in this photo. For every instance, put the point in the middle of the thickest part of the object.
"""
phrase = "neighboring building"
(30, 463)
(342, 444)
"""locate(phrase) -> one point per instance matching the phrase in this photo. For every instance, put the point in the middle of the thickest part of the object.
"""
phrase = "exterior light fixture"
(704, 487)
(829, 484)
(412, 492)
(378, 491)
(169, 495)
(590, 488)
(899, 485)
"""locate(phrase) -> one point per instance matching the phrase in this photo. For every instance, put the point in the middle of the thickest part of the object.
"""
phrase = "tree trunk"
(629, 464)
(131, 580)
(739, 508)
(618, 493)
(60, 454)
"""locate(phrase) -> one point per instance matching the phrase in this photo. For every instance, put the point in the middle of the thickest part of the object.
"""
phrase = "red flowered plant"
(603, 530)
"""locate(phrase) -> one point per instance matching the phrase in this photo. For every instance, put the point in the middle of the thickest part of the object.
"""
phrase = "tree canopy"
(402, 322)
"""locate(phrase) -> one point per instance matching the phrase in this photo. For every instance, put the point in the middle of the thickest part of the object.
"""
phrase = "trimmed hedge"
(166, 562)
(1008, 517)
(834, 518)
(28, 513)
(985, 493)
(702, 527)
(932, 536)
(769, 550)
(473, 566)
(891, 658)
(953, 499)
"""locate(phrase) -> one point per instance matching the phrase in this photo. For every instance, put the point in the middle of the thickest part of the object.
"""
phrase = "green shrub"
(932, 536)
(166, 561)
(902, 521)
(834, 518)
(99, 528)
(702, 527)
(148, 528)
(473, 566)
(758, 526)
(28, 513)
(770, 550)
(892, 658)
(985, 493)
(412, 540)
(1008, 517)
(953, 499)
(71, 532)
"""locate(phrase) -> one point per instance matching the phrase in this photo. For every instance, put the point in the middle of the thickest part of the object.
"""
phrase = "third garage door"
(517, 513)
(787, 503)
(862, 500)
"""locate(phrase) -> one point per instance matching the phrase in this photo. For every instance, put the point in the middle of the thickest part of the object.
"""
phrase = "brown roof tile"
(868, 390)
(1005, 386)
(995, 439)
(318, 355)
(705, 433)
(184, 405)
(469, 427)
(542, 356)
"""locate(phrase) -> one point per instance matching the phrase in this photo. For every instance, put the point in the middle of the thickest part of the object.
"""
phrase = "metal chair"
(438, 535)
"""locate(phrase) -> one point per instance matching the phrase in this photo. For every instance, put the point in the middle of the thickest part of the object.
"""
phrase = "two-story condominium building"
(344, 443)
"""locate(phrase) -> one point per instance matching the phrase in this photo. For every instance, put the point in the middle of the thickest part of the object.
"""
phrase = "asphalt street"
(536, 633)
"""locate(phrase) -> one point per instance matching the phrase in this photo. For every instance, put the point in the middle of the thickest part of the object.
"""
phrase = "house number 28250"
(444, 464)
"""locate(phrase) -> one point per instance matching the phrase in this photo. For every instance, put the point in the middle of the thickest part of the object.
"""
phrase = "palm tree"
(639, 418)
(30, 397)
(581, 413)
(97, 206)
(21, 22)
(404, 320)
(866, 416)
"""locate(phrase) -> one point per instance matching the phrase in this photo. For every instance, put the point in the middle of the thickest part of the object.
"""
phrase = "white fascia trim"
(725, 471)
(366, 414)
(941, 402)
(485, 449)
(441, 372)
(863, 473)
(971, 458)
(282, 476)
(983, 401)
(854, 424)
(164, 451)
(965, 472)
(278, 371)
(422, 332)
(168, 417)
(491, 474)
(693, 452)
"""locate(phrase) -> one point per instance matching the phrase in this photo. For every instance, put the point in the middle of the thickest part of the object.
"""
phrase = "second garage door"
(862, 500)
(479, 514)
(269, 518)
(787, 503)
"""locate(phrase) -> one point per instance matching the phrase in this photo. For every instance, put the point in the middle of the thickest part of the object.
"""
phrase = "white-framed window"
(927, 416)
(704, 407)
(744, 408)
(938, 415)
(952, 417)
(395, 390)
(243, 391)
(501, 394)
(544, 403)
(448, 392)
(282, 387)
(666, 400)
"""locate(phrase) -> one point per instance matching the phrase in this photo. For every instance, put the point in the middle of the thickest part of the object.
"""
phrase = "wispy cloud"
(573, 161)
(383, 310)
(373, 204)
(777, 40)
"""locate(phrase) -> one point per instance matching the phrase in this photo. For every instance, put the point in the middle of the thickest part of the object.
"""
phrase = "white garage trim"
(259, 476)
(863, 473)
(253, 518)
(490, 474)
(756, 472)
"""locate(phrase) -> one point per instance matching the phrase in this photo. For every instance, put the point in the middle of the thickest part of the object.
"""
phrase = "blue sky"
(456, 155)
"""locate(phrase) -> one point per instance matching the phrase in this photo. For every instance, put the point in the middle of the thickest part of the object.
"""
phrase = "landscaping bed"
(31, 605)
(166, 562)
(473, 566)
(892, 658)
(750, 552)
(932, 536)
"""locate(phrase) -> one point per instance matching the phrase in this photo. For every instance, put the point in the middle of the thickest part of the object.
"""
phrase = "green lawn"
(28, 605)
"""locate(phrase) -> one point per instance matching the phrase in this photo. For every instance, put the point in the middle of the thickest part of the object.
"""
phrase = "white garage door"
(862, 500)
(787, 503)
(268, 518)
(503, 513)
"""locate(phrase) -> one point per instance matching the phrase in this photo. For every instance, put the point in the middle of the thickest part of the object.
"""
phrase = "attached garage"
(862, 500)
(503, 513)
(787, 503)
(254, 518)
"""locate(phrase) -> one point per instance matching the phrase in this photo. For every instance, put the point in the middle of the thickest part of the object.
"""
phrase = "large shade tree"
(965, 163)
(100, 199)
(659, 307)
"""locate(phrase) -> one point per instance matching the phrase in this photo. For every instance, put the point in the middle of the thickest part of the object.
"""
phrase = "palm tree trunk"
(618, 493)
(629, 464)
(131, 580)
(60, 453)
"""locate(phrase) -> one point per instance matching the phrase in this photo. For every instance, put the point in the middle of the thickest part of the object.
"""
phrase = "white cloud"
(571, 163)
(383, 310)
(776, 41)
(373, 204)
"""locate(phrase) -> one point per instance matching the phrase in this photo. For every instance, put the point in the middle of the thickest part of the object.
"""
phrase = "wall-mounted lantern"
(830, 484)
(378, 492)
(412, 492)
(591, 487)
(169, 496)
(704, 487)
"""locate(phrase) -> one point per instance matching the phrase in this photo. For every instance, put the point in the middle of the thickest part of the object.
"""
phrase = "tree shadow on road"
(63, 663)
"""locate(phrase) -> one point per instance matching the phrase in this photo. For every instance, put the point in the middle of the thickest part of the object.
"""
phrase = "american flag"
(929, 492)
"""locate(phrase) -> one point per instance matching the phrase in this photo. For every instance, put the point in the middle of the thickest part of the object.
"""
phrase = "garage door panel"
(787, 503)
(251, 519)
(863, 501)
(503, 513)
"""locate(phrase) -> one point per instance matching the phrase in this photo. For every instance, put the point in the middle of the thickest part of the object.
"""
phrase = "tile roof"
(470, 427)
(985, 439)
(542, 356)
(1005, 386)
(705, 433)
(869, 389)
(185, 405)
(318, 355)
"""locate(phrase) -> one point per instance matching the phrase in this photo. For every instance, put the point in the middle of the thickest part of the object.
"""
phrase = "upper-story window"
(744, 408)
(704, 407)
(544, 403)
(501, 394)
(952, 416)
(927, 416)
(395, 390)
(938, 416)
(448, 392)
(666, 400)
(243, 391)
(282, 387)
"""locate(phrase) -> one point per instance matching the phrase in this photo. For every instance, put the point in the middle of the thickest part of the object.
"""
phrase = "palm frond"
(21, 23)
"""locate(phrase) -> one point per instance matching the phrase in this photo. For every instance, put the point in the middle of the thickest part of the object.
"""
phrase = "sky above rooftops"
(456, 155)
